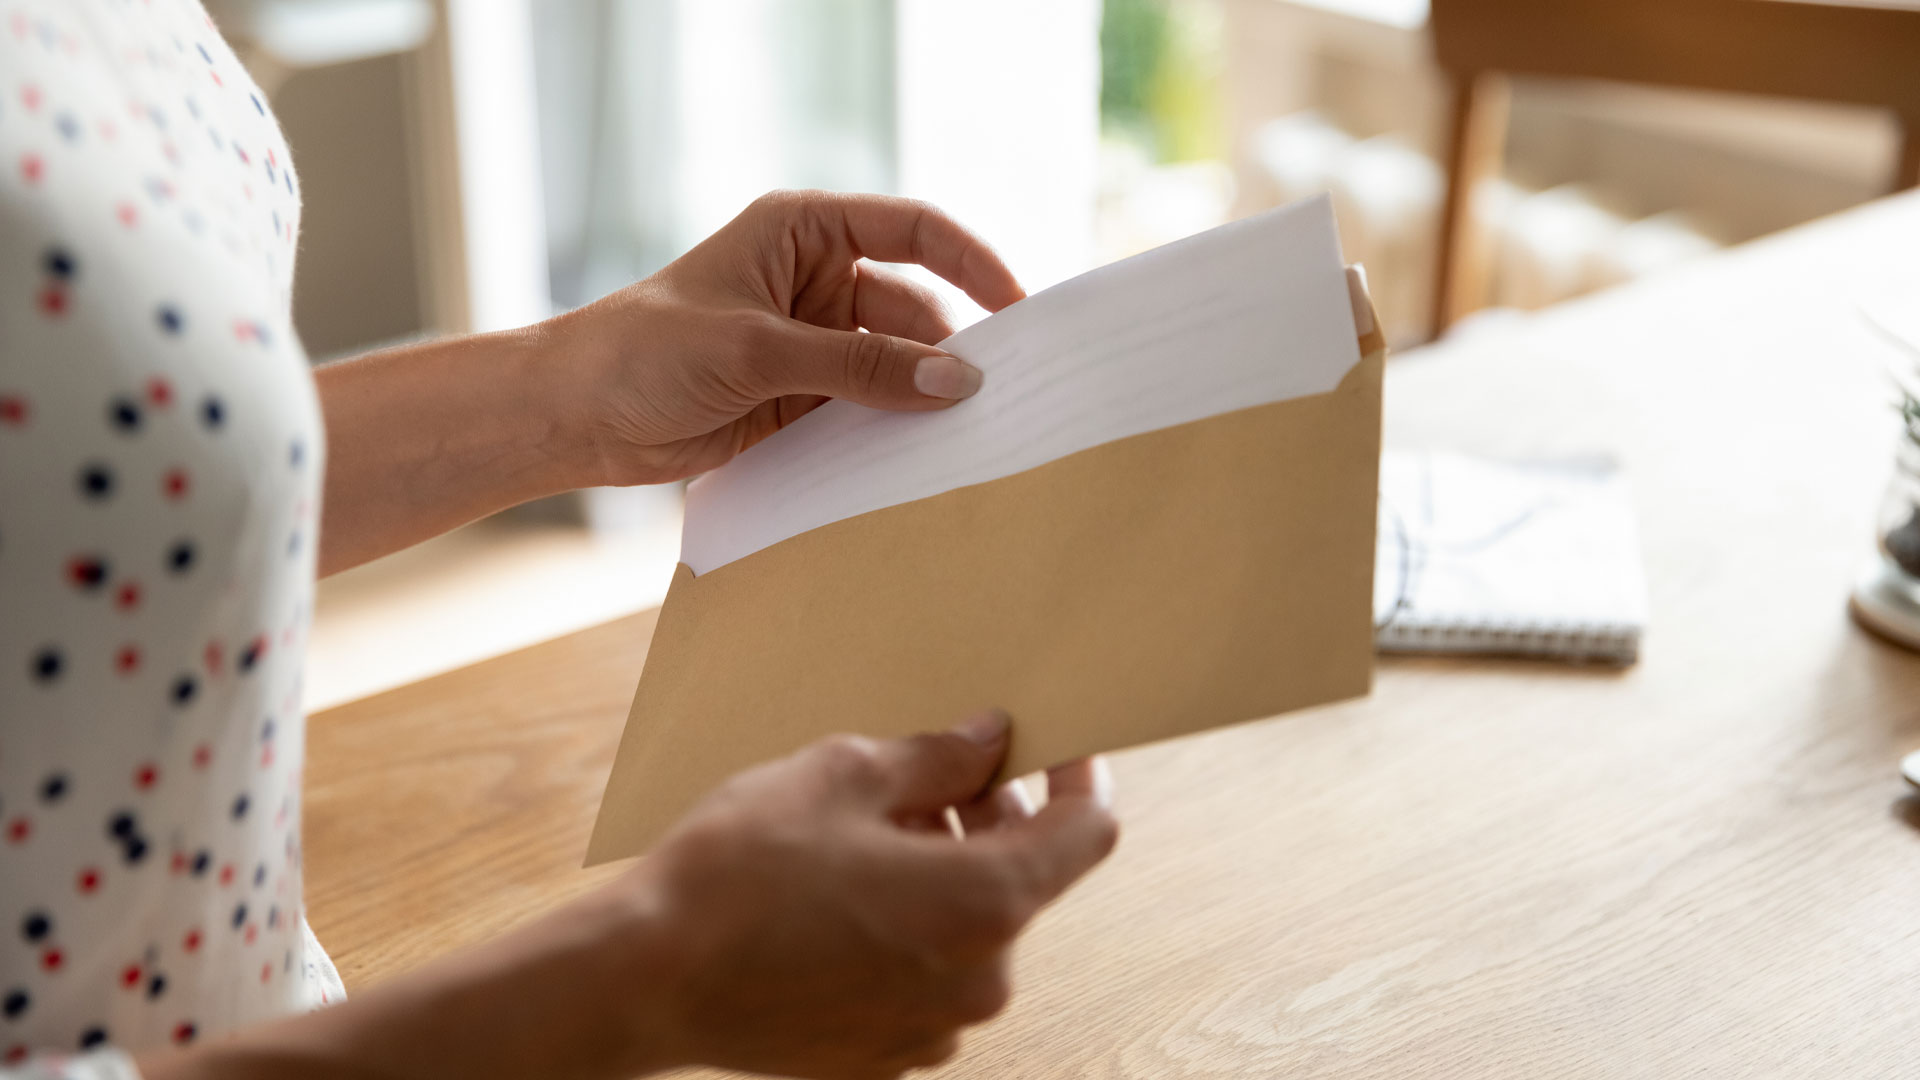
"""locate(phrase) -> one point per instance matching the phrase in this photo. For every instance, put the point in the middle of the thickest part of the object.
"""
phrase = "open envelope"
(1156, 517)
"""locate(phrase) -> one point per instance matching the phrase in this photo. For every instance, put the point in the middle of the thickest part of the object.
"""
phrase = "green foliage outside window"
(1159, 77)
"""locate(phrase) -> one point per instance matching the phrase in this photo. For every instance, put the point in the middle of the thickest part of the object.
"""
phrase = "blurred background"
(480, 164)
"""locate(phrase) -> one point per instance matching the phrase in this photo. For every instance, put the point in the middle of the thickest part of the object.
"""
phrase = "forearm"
(506, 1010)
(424, 438)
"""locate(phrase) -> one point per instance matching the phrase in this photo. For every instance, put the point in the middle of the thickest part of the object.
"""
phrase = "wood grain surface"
(1703, 866)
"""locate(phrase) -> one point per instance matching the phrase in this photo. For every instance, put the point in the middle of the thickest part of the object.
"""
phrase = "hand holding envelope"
(1155, 518)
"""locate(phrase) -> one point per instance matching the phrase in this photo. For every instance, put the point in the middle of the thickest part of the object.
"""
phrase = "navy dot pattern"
(160, 462)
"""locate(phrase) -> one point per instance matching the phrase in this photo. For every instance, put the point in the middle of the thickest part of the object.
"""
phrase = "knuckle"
(853, 760)
(935, 1052)
(932, 308)
(944, 753)
(1106, 833)
(933, 301)
(999, 909)
(926, 216)
(752, 339)
(751, 349)
(933, 225)
(869, 360)
(1103, 830)
(1004, 922)
(924, 212)
(985, 995)
(785, 206)
(775, 202)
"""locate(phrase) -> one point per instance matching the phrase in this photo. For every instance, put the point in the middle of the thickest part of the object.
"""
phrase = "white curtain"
(660, 119)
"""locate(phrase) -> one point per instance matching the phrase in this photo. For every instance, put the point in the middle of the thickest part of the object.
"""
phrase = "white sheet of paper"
(1250, 313)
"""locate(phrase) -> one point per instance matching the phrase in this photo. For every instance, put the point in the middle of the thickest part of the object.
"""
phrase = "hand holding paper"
(1156, 517)
(822, 928)
(763, 321)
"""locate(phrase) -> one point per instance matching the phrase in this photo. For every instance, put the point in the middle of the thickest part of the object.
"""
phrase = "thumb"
(1068, 837)
(878, 370)
(928, 773)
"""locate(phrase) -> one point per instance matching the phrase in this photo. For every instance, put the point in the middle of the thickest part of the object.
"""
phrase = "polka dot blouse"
(160, 454)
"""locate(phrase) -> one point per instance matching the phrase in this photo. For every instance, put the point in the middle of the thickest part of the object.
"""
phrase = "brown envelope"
(1184, 579)
(1152, 587)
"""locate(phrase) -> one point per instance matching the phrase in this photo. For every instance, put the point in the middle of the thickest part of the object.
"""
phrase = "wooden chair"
(1864, 52)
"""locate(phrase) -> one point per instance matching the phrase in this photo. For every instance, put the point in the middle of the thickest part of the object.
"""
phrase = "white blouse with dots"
(160, 455)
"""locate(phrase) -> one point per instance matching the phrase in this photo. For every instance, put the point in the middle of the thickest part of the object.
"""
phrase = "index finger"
(887, 228)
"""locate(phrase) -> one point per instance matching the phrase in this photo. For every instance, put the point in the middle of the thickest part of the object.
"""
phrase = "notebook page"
(1478, 555)
(1256, 311)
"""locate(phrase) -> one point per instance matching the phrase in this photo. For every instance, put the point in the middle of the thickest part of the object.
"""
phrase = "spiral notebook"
(1514, 558)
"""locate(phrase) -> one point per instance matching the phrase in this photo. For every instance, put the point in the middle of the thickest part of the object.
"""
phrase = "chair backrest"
(1854, 52)
(1866, 52)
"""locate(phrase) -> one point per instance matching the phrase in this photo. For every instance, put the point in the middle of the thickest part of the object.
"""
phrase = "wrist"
(547, 394)
(626, 959)
(573, 373)
(584, 993)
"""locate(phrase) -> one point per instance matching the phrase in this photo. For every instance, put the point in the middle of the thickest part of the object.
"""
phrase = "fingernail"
(946, 377)
(1102, 784)
(1021, 797)
(987, 728)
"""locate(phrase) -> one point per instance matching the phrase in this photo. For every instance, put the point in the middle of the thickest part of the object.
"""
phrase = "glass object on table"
(1887, 598)
(1899, 522)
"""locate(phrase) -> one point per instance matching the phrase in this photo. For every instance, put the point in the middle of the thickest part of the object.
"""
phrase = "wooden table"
(1703, 866)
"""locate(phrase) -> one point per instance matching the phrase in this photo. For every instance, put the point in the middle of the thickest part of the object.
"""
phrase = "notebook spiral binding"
(1600, 643)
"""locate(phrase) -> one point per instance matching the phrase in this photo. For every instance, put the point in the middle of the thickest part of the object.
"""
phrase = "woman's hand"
(829, 925)
(813, 917)
(760, 323)
(662, 380)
